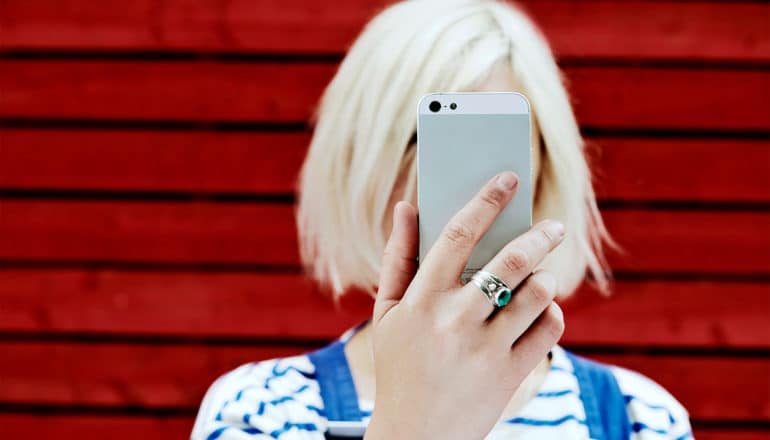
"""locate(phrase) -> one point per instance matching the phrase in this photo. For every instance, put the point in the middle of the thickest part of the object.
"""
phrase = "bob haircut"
(361, 158)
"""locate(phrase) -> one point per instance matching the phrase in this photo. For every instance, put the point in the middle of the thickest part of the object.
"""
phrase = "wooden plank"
(197, 91)
(735, 31)
(152, 376)
(148, 232)
(691, 241)
(268, 162)
(730, 434)
(671, 313)
(701, 383)
(127, 427)
(215, 304)
(270, 92)
(721, 242)
(235, 26)
(671, 98)
(144, 160)
(94, 427)
(640, 313)
(118, 375)
(682, 169)
(693, 30)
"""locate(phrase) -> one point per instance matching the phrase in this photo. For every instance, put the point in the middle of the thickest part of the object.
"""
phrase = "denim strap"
(603, 401)
(337, 389)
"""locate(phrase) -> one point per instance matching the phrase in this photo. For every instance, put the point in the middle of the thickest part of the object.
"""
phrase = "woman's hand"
(445, 365)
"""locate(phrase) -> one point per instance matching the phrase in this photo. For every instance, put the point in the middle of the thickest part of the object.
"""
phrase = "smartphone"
(463, 140)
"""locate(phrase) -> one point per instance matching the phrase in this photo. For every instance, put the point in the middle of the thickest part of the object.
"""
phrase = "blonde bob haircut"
(362, 157)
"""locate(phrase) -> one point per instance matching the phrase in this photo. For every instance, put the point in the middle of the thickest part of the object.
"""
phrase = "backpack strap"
(602, 399)
(338, 391)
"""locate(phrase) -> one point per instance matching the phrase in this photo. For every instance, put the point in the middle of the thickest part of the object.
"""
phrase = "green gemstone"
(503, 297)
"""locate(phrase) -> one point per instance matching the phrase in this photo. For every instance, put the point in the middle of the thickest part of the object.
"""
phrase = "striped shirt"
(280, 398)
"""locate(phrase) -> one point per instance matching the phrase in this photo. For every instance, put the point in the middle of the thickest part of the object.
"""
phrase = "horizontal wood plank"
(721, 242)
(195, 232)
(701, 383)
(144, 160)
(671, 313)
(245, 305)
(716, 242)
(295, 26)
(640, 169)
(94, 427)
(670, 98)
(681, 169)
(270, 92)
(118, 375)
(85, 427)
(197, 91)
(693, 30)
(664, 30)
(730, 434)
(186, 304)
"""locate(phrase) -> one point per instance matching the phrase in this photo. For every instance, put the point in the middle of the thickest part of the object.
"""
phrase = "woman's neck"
(358, 350)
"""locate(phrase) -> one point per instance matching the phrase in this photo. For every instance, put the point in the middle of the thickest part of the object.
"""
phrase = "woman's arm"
(445, 364)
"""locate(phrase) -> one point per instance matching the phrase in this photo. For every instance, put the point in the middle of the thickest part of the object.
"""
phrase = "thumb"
(399, 260)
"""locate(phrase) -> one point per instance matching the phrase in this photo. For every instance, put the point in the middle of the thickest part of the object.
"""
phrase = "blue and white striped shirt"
(280, 398)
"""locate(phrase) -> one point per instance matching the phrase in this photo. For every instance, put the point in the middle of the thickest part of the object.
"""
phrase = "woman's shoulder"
(651, 408)
(263, 397)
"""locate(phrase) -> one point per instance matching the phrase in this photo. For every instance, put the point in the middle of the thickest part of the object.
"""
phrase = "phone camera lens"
(435, 106)
(453, 106)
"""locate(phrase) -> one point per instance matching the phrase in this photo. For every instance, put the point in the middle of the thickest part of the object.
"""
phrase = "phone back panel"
(459, 151)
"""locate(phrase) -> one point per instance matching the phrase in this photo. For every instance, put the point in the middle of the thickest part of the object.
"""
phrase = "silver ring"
(497, 292)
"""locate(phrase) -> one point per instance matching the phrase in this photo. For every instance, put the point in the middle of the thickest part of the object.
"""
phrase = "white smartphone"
(463, 140)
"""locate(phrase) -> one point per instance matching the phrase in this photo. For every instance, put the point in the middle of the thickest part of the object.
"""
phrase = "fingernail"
(559, 312)
(507, 180)
(396, 208)
(555, 229)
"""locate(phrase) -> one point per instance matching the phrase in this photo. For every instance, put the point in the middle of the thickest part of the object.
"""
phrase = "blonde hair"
(361, 152)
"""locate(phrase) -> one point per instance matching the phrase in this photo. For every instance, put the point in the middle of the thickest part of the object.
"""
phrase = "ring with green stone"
(497, 292)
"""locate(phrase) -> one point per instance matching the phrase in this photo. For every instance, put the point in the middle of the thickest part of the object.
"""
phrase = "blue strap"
(336, 382)
(603, 401)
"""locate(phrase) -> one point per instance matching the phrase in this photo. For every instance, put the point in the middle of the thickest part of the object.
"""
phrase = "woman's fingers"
(529, 301)
(520, 257)
(448, 256)
(398, 260)
(516, 261)
(535, 343)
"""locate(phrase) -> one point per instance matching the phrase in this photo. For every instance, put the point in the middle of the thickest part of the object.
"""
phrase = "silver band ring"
(497, 292)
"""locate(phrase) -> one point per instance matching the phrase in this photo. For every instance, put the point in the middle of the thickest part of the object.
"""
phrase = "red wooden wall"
(147, 157)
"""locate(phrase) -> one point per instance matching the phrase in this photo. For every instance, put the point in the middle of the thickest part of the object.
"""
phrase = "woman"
(447, 363)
